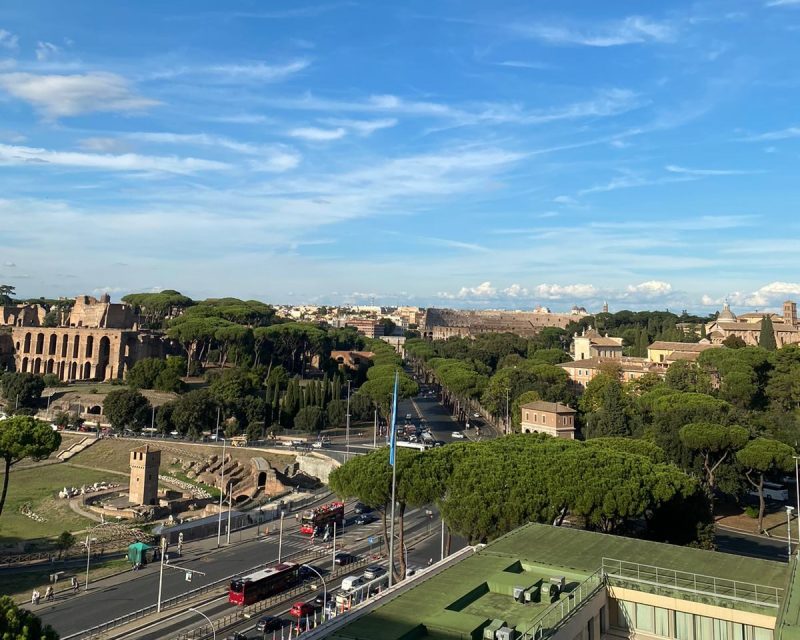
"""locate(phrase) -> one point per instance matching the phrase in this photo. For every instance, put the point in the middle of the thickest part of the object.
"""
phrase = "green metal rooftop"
(468, 596)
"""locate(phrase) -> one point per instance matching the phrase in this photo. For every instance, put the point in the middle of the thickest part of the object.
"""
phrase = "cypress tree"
(766, 339)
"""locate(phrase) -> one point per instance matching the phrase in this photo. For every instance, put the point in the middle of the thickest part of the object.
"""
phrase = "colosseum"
(96, 340)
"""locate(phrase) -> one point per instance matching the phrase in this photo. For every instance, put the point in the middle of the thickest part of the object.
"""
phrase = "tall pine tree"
(766, 339)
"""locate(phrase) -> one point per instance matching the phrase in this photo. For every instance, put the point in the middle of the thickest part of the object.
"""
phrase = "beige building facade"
(553, 418)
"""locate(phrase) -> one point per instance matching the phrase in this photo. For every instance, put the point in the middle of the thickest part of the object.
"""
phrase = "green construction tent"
(137, 553)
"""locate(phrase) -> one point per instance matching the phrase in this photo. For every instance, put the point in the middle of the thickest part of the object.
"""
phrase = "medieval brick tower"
(790, 312)
(144, 476)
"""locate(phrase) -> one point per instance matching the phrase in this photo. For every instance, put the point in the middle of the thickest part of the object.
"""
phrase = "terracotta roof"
(661, 345)
(753, 326)
(602, 341)
(625, 364)
(551, 407)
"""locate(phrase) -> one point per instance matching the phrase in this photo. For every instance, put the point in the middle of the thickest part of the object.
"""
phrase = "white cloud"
(650, 288)
(565, 200)
(522, 64)
(483, 290)
(456, 244)
(781, 134)
(315, 134)
(515, 291)
(103, 144)
(10, 265)
(783, 3)
(8, 40)
(45, 50)
(558, 292)
(258, 71)
(362, 127)
(18, 155)
(71, 95)
(708, 172)
(770, 294)
(708, 301)
(631, 30)
(277, 160)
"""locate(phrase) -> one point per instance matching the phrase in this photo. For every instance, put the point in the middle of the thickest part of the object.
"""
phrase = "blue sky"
(470, 154)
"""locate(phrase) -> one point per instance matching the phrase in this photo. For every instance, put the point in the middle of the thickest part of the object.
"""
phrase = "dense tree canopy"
(17, 623)
(127, 409)
(24, 437)
(21, 389)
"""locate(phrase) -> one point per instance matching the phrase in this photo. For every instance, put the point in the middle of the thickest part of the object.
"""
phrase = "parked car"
(373, 571)
(411, 570)
(301, 609)
(317, 445)
(342, 558)
(360, 507)
(269, 623)
(457, 435)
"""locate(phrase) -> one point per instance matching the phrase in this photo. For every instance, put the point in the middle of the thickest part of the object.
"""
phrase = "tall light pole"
(347, 428)
(333, 555)
(163, 546)
(221, 485)
(508, 424)
(211, 624)
(230, 508)
(280, 538)
(324, 589)
(797, 489)
(88, 545)
(789, 528)
(375, 432)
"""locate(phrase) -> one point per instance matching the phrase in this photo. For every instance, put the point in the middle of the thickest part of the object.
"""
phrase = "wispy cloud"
(631, 30)
(18, 155)
(315, 134)
(455, 244)
(783, 3)
(362, 127)
(780, 134)
(524, 64)
(232, 73)
(8, 40)
(46, 50)
(672, 168)
(70, 95)
(605, 103)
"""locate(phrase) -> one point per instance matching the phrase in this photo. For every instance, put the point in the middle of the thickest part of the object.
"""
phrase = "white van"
(351, 582)
(773, 491)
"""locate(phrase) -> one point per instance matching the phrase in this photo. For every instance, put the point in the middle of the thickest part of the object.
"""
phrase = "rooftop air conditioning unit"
(505, 633)
(559, 581)
(518, 591)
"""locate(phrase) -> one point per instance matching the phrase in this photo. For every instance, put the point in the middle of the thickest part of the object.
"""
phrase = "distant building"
(662, 351)
(581, 372)
(368, 328)
(352, 359)
(552, 418)
(590, 344)
(440, 324)
(747, 326)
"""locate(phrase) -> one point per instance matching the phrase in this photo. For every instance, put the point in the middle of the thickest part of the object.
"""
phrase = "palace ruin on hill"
(96, 340)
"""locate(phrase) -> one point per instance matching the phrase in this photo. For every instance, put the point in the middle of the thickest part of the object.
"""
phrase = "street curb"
(751, 534)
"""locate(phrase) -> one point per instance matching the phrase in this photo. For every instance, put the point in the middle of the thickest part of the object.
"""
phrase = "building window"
(662, 622)
(683, 625)
(603, 619)
(645, 618)
(703, 628)
(590, 629)
(720, 629)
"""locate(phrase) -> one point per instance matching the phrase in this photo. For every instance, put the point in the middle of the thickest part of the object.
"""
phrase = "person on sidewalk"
(74, 585)
(35, 597)
(49, 594)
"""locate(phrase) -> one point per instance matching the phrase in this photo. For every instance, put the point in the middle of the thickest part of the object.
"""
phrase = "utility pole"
(221, 485)
(230, 505)
(347, 428)
(508, 424)
(280, 538)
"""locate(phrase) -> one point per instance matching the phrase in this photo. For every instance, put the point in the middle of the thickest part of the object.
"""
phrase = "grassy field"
(39, 486)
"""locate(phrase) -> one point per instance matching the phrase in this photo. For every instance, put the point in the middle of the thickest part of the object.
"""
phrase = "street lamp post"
(161, 572)
(230, 508)
(789, 528)
(347, 427)
(211, 624)
(280, 538)
(221, 485)
(797, 490)
(324, 590)
(88, 545)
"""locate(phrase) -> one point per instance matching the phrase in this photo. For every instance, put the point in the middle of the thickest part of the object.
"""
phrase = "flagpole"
(392, 451)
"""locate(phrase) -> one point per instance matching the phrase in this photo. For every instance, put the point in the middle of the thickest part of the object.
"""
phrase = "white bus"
(419, 446)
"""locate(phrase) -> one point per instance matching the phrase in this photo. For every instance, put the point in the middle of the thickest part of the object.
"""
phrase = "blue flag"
(393, 440)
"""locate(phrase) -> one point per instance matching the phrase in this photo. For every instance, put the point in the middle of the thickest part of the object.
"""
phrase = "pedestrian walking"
(49, 594)
(34, 596)
(75, 586)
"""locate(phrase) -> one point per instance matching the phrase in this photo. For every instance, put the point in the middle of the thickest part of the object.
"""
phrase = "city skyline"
(449, 155)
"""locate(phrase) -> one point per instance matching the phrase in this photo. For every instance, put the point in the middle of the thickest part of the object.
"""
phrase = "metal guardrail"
(558, 612)
(696, 583)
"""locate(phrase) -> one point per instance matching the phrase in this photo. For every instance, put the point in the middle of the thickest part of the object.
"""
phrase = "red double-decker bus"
(263, 583)
(314, 521)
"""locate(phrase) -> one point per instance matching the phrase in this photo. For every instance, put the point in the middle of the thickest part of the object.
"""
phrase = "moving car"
(364, 518)
(342, 558)
(300, 609)
(350, 583)
(373, 571)
(360, 507)
(457, 435)
(269, 623)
